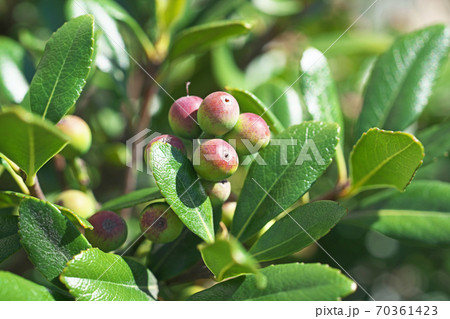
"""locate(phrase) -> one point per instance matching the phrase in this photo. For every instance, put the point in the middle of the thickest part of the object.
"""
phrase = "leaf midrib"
(400, 87)
(395, 213)
(266, 192)
(99, 282)
(282, 243)
(380, 166)
(419, 58)
(60, 71)
(196, 209)
(306, 287)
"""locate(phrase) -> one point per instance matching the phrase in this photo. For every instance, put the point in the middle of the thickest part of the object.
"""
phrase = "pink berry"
(215, 160)
(183, 116)
(251, 133)
(110, 230)
(218, 113)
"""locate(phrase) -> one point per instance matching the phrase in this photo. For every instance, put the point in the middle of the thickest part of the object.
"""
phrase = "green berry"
(183, 116)
(81, 203)
(79, 133)
(116, 154)
(218, 113)
(159, 223)
(215, 160)
(218, 192)
(110, 230)
(252, 129)
(228, 209)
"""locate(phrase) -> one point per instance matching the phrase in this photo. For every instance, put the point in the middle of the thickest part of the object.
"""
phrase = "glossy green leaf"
(202, 37)
(179, 184)
(35, 140)
(436, 142)
(132, 199)
(420, 195)
(11, 199)
(113, 57)
(384, 159)
(297, 230)
(169, 260)
(286, 102)
(227, 258)
(13, 85)
(402, 79)
(114, 10)
(9, 236)
(48, 237)
(319, 90)
(427, 227)
(288, 174)
(74, 218)
(16, 288)
(290, 282)
(248, 102)
(63, 69)
(97, 276)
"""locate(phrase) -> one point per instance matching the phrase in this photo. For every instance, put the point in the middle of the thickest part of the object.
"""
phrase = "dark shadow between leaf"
(187, 183)
(140, 276)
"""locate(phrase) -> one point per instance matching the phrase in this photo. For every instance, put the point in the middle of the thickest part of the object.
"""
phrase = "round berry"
(215, 160)
(251, 133)
(77, 201)
(218, 113)
(218, 192)
(228, 209)
(183, 116)
(110, 230)
(79, 133)
(159, 223)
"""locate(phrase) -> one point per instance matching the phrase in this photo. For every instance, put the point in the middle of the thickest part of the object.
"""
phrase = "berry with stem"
(218, 113)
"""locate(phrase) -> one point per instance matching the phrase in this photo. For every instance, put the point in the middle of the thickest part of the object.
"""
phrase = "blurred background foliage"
(264, 61)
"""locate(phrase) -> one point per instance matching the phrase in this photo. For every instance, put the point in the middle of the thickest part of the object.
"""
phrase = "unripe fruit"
(228, 210)
(79, 133)
(159, 223)
(166, 138)
(218, 192)
(110, 230)
(252, 130)
(215, 160)
(218, 113)
(116, 155)
(77, 201)
(183, 116)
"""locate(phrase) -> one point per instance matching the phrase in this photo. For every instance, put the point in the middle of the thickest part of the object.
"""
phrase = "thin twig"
(144, 119)
(59, 163)
(35, 189)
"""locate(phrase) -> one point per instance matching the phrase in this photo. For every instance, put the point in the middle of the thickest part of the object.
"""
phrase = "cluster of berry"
(217, 123)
